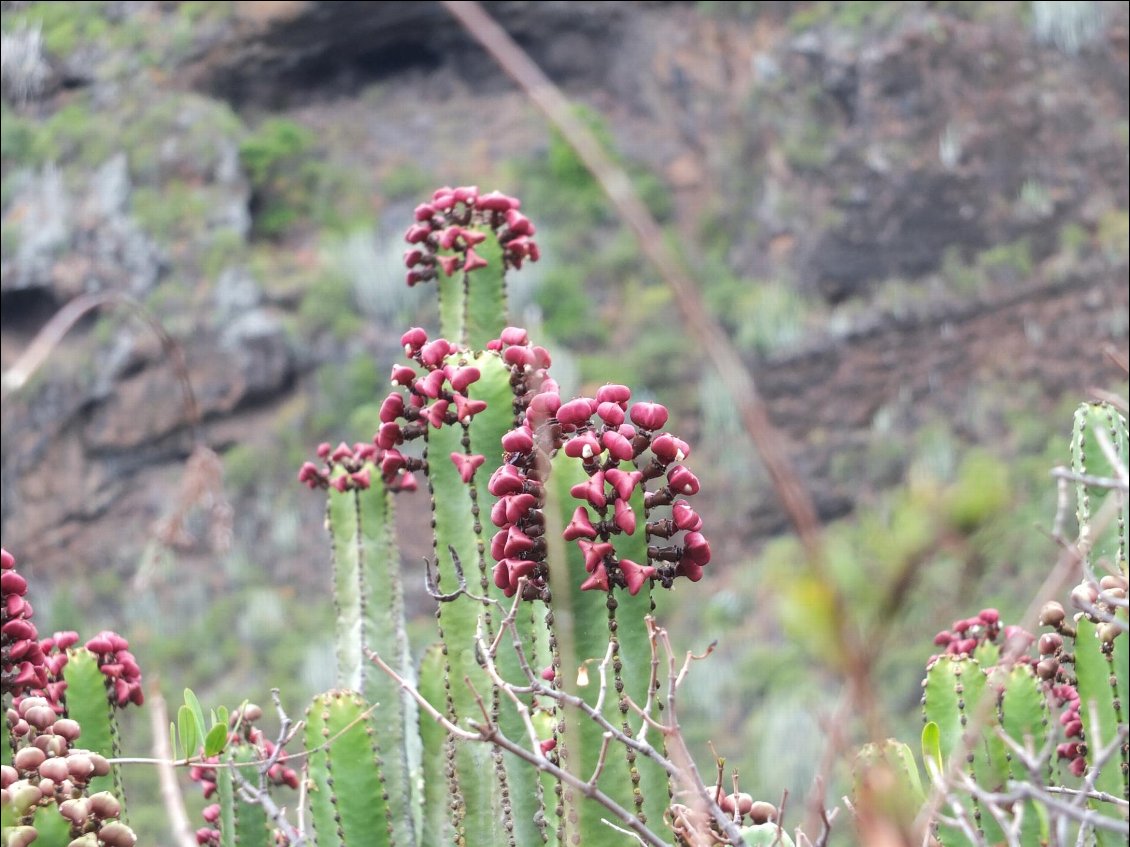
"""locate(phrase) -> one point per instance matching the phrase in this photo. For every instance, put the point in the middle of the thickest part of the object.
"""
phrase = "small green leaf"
(173, 739)
(932, 748)
(216, 740)
(189, 735)
(197, 712)
(222, 715)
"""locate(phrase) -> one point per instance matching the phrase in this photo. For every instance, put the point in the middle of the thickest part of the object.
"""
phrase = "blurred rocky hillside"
(908, 215)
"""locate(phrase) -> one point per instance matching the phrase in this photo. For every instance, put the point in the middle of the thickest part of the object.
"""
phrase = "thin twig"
(1090, 479)
(53, 332)
(171, 797)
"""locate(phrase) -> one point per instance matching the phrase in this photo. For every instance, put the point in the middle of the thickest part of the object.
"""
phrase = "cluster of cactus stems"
(540, 715)
(1025, 738)
(574, 507)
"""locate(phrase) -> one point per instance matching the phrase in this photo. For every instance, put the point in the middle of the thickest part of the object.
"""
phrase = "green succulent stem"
(368, 594)
(244, 823)
(349, 799)
(472, 305)
(1093, 423)
(89, 700)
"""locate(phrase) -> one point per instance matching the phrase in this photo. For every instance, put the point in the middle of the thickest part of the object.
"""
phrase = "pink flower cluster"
(449, 228)
(968, 634)
(55, 657)
(436, 397)
(34, 667)
(47, 769)
(244, 732)
(1067, 697)
(119, 666)
(22, 663)
(622, 449)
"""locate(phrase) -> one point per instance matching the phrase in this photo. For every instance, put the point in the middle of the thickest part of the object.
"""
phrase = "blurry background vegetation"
(910, 217)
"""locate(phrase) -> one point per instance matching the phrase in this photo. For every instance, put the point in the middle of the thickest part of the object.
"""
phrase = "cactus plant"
(991, 703)
(499, 444)
(537, 716)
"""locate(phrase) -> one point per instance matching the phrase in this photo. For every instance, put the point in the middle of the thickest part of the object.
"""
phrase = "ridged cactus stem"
(349, 801)
(1101, 713)
(593, 631)
(1093, 423)
(90, 701)
(954, 707)
(370, 616)
(436, 824)
(243, 823)
(479, 732)
(475, 805)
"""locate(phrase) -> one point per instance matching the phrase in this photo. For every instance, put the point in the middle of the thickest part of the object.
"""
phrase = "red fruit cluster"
(1066, 697)
(34, 667)
(435, 397)
(55, 658)
(448, 229)
(967, 634)
(22, 663)
(47, 769)
(119, 666)
(622, 449)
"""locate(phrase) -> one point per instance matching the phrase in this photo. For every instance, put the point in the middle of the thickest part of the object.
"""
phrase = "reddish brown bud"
(507, 479)
(514, 335)
(1052, 614)
(623, 481)
(54, 769)
(519, 357)
(433, 353)
(635, 575)
(473, 261)
(598, 581)
(576, 412)
(592, 491)
(619, 447)
(989, 616)
(580, 526)
(685, 517)
(517, 542)
(461, 378)
(467, 465)
(496, 201)
(624, 517)
(12, 583)
(682, 480)
(1049, 643)
(117, 834)
(594, 553)
(437, 413)
(650, 416)
(466, 407)
(28, 759)
(417, 233)
(76, 811)
(585, 446)
(519, 440)
(667, 448)
(762, 812)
